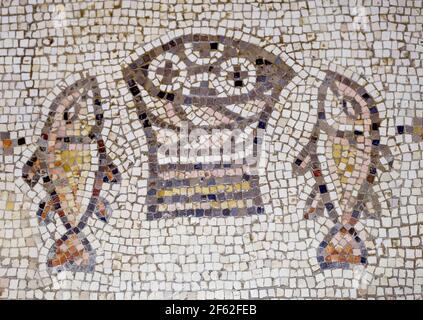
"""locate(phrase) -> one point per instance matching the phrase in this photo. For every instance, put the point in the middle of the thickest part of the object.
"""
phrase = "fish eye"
(69, 114)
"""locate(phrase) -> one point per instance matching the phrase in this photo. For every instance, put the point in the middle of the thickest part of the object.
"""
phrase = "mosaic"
(204, 82)
(348, 133)
(64, 153)
(217, 151)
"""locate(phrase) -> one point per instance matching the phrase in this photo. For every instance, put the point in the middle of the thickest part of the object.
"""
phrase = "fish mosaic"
(211, 150)
(197, 84)
(344, 156)
(70, 142)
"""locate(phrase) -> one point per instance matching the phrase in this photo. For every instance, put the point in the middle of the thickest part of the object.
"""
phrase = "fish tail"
(341, 248)
(72, 252)
(31, 171)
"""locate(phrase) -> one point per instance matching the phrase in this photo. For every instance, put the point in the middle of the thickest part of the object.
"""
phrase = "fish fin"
(341, 248)
(314, 206)
(301, 165)
(304, 160)
(372, 208)
(71, 252)
(103, 210)
(111, 172)
(31, 171)
(45, 212)
(384, 159)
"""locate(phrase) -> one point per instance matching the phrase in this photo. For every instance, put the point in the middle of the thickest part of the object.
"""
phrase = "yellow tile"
(205, 190)
(10, 205)
(344, 180)
(215, 204)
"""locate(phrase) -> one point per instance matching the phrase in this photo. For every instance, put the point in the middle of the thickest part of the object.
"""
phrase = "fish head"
(347, 107)
(74, 122)
(75, 112)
